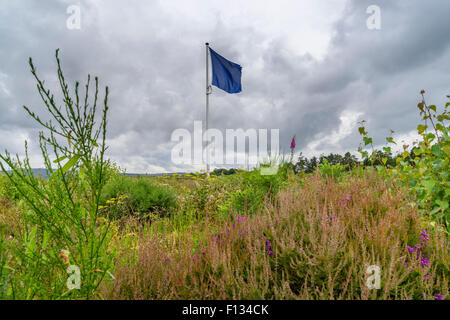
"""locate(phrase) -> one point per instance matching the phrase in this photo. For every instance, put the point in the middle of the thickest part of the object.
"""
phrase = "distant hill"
(43, 173)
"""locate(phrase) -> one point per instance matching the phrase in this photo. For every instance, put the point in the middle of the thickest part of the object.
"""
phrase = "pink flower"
(293, 143)
(438, 296)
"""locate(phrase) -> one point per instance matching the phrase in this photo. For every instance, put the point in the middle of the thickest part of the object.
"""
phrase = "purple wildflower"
(424, 262)
(438, 296)
(241, 233)
(425, 235)
(270, 253)
(411, 250)
(293, 143)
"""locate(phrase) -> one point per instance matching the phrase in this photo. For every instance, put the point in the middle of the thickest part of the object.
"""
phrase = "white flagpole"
(207, 106)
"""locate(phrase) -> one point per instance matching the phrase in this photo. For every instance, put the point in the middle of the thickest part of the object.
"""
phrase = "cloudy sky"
(310, 68)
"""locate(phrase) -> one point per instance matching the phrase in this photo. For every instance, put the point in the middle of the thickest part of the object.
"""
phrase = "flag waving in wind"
(226, 75)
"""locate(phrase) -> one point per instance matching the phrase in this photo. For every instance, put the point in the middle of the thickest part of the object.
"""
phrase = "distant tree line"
(223, 171)
(309, 165)
(348, 160)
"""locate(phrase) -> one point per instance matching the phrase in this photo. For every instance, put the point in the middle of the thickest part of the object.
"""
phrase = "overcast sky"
(310, 68)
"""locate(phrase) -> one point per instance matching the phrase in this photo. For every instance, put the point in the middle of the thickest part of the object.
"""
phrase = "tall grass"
(315, 242)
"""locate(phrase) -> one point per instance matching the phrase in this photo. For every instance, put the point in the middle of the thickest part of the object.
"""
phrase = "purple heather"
(438, 296)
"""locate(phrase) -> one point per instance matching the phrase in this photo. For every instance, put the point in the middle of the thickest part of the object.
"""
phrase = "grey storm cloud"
(313, 76)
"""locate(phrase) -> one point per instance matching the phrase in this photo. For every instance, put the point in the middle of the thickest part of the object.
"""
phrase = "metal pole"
(207, 107)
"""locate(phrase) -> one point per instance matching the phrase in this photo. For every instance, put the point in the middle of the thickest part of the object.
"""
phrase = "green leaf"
(45, 239)
(432, 107)
(428, 185)
(446, 149)
(31, 239)
(59, 159)
(440, 127)
(390, 140)
(69, 164)
(437, 151)
(362, 131)
(430, 137)
(421, 128)
(367, 141)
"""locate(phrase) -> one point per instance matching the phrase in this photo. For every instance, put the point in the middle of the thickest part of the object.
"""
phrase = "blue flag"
(226, 74)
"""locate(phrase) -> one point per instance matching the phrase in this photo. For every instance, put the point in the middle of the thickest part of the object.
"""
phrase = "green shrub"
(7, 189)
(328, 170)
(255, 188)
(138, 195)
(425, 169)
(59, 235)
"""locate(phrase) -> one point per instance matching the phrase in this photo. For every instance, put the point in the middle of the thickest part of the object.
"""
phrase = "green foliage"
(7, 189)
(425, 169)
(60, 215)
(331, 170)
(254, 190)
(140, 196)
(347, 162)
(222, 171)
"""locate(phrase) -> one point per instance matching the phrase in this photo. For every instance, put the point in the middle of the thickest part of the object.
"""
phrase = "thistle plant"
(61, 213)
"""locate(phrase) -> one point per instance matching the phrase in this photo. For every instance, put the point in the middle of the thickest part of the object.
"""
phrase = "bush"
(7, 189)
(125, 195)
(332, 171)
(255, 188)
(59, 232)
(425, 168)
